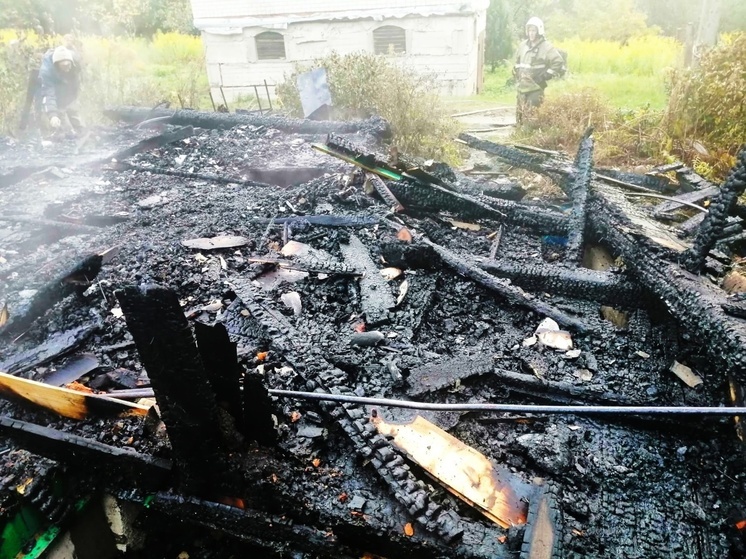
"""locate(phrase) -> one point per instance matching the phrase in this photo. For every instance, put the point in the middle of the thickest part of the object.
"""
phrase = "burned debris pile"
(267, 336)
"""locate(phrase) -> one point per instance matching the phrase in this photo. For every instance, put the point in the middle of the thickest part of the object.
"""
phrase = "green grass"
(627, 76)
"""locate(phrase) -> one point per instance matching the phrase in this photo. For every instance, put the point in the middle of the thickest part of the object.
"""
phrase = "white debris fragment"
(550, 335)
(292, 301)
(690, 378)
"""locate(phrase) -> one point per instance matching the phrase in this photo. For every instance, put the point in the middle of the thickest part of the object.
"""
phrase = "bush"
(622, 137)
(116, 71)
(706, 114)
(362, 84)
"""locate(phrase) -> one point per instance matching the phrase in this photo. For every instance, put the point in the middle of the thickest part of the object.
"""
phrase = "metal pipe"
(506, 408)
(670, 199)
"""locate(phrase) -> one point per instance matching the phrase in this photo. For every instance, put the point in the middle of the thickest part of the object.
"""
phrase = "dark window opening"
(389, 39)
(270, 46)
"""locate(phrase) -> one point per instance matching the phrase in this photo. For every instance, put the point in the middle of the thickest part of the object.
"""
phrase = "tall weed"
(362, 84)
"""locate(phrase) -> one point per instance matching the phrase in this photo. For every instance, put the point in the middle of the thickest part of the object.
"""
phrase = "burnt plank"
(200, 119)
(186, 399)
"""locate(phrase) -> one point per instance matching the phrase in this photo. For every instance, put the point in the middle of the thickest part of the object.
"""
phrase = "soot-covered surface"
(635, 487)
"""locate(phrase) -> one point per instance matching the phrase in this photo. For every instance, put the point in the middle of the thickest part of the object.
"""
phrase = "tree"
(499, 34)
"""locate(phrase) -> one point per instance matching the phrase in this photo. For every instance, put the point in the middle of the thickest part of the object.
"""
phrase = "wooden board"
(66, 402)
(495, 492)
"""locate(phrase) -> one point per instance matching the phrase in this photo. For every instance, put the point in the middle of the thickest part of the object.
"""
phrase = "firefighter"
(59, 86)
(537, 62)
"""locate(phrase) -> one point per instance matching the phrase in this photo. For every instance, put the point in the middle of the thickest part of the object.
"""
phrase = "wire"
(505, 408)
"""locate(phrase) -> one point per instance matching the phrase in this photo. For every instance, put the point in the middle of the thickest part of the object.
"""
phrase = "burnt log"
(86, 454)
(211, 177)
(579, 189)
(75, 280)
(384, 192)
(605, 288)
(133, 115)
(713, 224)
(514, 295)
(58, 345)
(153, 142)
(186, 399)
(680, 201)
(652, 259)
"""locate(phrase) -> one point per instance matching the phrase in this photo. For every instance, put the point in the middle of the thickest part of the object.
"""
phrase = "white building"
(250, 41)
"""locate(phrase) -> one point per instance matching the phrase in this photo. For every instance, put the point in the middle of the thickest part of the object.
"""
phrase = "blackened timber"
(541, 164)
(692, 197)
(187, 401)
(511, 293)
(375, 292)
(57, 345)
(211, 177)
(384, 192)
(322, 220)
(720, 209)
(434, 197)
(581, 283)
(579, 189)
(693, 301)
(645, 182)
(220, 359)
(75, 280)
(199, 119)
(151, 143)
(86, 453)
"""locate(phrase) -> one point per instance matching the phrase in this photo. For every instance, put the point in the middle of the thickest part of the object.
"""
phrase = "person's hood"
(62, 53)
(535, 21)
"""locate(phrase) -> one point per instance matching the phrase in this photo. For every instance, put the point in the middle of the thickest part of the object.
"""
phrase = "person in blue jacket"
(59, 87)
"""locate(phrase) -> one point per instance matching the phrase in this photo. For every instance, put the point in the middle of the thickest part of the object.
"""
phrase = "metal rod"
(269, 100)
(627, 185)
(258, 100)
(507, 408)
(670, 199)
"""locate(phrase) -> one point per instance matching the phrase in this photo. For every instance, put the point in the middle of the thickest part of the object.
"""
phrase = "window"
(389, 39)
(270, 46)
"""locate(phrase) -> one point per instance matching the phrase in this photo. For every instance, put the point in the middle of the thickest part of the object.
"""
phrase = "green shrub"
(706, 114)
(362, 84)
(622, 136)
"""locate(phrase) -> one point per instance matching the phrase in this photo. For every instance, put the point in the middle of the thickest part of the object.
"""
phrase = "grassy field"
(627, 76)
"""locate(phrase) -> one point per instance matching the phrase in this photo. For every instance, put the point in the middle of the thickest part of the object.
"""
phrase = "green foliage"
(646, 55)
(499, 34)
(707, 104)
(363, 83)
(105, 17)
(118, 71)
(622, 136)
(611, 21)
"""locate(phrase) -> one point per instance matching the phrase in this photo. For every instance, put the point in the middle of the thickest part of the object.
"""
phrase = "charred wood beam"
(511, 293)
(186, 399)
(85, 453)
(75, 280)
(559, 169)
(693, 302)
(714, 222)
(153, 142)
(541, 164)
(581, 283)
(384, 192)
(223, 179)
(691, 181)
(678, 202)
(58, 345)
(198, 119)
(360, 220)
(579, 189)
(438, 198)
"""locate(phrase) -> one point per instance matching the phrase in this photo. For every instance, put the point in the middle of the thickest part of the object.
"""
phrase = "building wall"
(240, 8)
(444, 45)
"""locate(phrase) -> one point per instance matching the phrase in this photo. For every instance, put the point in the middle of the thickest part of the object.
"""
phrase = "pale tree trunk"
(709, 25)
